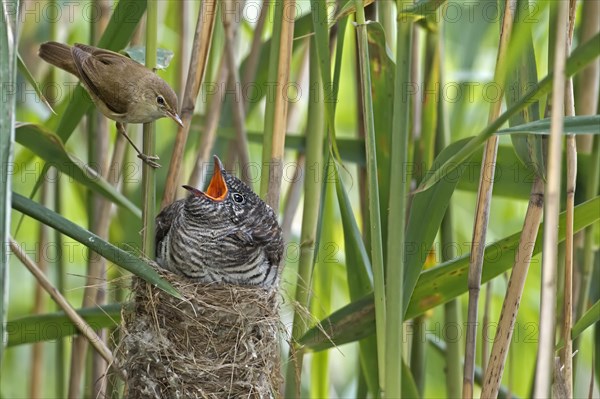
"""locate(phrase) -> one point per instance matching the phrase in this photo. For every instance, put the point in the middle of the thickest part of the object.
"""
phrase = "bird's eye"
(239, 198)
(160, 100)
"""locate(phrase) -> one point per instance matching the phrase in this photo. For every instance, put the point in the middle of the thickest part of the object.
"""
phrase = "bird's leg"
(148, 159)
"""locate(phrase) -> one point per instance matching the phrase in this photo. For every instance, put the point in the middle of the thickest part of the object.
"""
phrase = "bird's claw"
(149, 160)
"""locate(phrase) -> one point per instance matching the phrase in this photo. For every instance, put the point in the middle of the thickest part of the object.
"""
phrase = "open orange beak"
(217, 189)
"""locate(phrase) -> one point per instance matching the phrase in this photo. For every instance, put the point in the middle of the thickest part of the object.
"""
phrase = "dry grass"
(221, 341)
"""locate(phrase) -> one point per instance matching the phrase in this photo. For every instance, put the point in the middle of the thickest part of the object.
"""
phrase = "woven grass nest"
(221, 341)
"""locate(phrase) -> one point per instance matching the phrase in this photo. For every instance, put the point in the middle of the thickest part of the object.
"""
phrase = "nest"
(220, 341)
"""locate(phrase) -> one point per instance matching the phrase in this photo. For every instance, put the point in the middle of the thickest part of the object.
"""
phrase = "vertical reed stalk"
(373, 189)
(486, 322)
(98, 139)
(571, 154)
(452, 312)
(522, 72)
(198, 61)
(510, 307)
(547, 326)
(60, 362)
(320, 380)
(112, 175)
(272, 75)
(61, 357)
(452, 354)
(39, 305)
(589, 78)
(8, 69)
(308, 237)
(238, 103)
(97, 146)
(279, 107)
(254, 55)
(591, 190)
(484, 199)
(294, 193)
(587, 104)
(183, 46)
(149, 143)
(567, 352)
(418, 350)
(398, 203)
(207, 139)
(292, 199)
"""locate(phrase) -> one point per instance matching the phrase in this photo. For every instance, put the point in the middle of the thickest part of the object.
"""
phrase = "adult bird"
(122, 89)
(225, 234)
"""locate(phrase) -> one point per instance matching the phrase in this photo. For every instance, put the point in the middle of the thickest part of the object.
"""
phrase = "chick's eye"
(239, 198)
(160, 100)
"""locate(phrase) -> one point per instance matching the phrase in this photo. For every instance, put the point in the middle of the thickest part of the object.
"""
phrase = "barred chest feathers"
(226, 234)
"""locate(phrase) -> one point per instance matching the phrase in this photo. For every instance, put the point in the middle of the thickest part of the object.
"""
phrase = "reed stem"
(484, 200)
(545, 356)
(149, 141)
(377, 262)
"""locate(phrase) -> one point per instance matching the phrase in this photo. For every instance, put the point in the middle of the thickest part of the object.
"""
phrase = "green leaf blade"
(589, 318)
(124, 259)
(583, 124)
(579, 58)
(53, 326)
(427, 205)
(50, 148)
(29, 77)
(435, 286)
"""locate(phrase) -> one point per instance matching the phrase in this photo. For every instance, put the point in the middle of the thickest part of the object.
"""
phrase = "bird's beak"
(175, 117)
(217, 189)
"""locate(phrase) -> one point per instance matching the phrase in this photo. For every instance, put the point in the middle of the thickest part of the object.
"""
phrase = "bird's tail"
(59, 55)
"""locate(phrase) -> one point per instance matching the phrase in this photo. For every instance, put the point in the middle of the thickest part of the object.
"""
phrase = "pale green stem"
(308, 237)
(545, 357)
(270, 107)
(385, 15)
(149, 144)
(397, 211)
(373, 190)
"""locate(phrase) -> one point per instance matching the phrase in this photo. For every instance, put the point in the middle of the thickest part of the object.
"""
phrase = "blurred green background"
(468, 33)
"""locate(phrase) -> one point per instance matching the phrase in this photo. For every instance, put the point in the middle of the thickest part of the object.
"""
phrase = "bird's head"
(238, 233)
(160, 99)
(227, 198)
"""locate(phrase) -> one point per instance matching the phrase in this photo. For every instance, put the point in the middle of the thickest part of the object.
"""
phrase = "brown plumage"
(122, 89)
